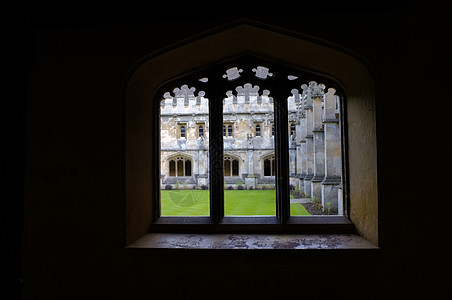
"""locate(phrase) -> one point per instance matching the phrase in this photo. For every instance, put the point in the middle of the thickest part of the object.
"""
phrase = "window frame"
(201, 130)
(347, 67)
(282, 222)
(183, 126)
(257, 130)
(184, 161)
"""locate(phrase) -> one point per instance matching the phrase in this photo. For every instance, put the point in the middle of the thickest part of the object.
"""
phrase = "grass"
(237, 203)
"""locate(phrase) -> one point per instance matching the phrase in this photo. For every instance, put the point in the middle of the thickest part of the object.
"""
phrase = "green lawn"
(237, 203)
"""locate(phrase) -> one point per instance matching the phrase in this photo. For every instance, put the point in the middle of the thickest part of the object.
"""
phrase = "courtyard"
(236, 203)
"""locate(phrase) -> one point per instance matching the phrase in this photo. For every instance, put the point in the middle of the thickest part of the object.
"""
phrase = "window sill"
(251, 241)
(258, 225)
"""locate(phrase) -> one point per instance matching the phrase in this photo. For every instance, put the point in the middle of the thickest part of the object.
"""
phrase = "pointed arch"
(179, 165)
(300, 51)
(231, 165)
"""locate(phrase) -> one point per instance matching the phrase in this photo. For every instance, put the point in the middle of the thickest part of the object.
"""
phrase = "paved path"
(301, 200)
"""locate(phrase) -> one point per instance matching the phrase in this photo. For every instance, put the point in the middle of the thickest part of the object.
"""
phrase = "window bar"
(216, 150)
(281, 150)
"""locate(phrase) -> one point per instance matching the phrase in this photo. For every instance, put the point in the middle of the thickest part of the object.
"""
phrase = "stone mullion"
(333, 169)
(318, 148)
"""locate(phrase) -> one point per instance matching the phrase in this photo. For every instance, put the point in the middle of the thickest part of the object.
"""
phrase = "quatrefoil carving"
(232, 73)
(262, 72)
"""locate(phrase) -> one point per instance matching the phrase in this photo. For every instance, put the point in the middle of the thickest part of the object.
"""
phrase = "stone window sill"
(252, 241)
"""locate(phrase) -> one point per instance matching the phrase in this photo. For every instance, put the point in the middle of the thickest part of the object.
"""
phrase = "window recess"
(298, 158)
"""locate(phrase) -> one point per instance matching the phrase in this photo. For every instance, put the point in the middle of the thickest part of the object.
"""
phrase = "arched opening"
(231, 166)
(179, 166)
(269, 166)
(299, 51)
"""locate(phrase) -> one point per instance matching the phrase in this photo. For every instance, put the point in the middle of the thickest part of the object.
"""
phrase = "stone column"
(202, 163)
(333, 160)
(292, 162)
(302, 153)
(307, 103)
(250, 180)
(318, 140)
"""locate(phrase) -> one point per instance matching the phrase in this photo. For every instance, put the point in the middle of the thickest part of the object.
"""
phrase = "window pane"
(258, 130)
(187, 168)
(247, 191)
(180, 168)
(235, 167)
(267, 168)
(314, 151)
(172, 168)
(184, 162)
(227, 168)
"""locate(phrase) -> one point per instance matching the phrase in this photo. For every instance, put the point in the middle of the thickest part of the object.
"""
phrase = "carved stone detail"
(232, 73)
(262, 72)
(247, 90)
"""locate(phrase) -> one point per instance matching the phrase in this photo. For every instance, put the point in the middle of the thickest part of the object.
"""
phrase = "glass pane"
(184, 153)
(314, 151)
(172, 168)
(247, 191)
(187, 168)
(227, 168)
(180, 168)
(267, 168)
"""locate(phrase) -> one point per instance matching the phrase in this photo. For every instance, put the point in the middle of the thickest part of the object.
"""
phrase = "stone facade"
(315, 163)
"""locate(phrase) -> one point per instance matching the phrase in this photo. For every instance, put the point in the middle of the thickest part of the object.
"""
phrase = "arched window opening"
(269, 166)
(338, 70)
(179, 167)
(200, 131)
(258, 130)
(230, 166)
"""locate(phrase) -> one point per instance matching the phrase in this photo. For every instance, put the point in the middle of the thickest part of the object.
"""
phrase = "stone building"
(315, 164)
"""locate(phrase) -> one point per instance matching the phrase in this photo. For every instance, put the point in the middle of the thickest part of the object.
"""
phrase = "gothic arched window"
(269, 166)
(339, 71)
(179, 166)
(230, 166)
(200, 131)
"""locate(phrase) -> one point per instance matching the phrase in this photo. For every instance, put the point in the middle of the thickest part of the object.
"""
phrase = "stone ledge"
(252, 241)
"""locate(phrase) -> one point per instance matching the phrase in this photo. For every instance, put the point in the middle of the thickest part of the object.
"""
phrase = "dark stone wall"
(63, 76)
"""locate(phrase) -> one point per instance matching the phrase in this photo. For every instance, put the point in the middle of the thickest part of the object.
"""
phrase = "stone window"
(230, 166)
(200, 131)
(179, 167)
(230, 130)
(292, 129)
(343, 72)
(269, 166)
(258, 130)
(182, 131)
